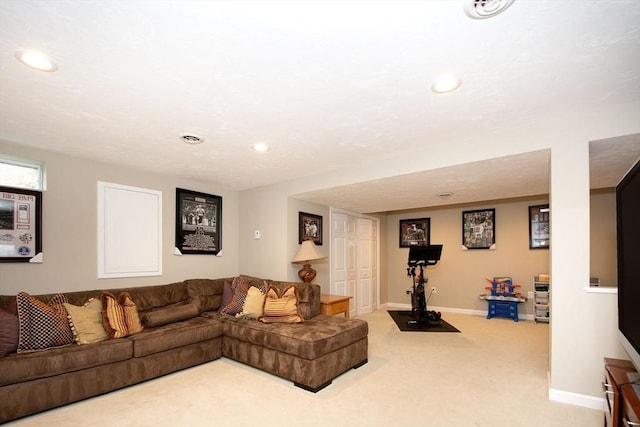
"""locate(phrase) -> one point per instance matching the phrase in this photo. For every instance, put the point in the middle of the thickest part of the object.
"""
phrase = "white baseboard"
(577, 399)
(483, 313)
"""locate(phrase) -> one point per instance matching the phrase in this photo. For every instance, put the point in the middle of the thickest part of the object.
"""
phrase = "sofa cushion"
(169, 314)
(22, 367)
(206, 294)
(281, 307)
(9, 330)
(309, 340)
(175, 335)
(120, 316)
(86, 321)
(42, 325)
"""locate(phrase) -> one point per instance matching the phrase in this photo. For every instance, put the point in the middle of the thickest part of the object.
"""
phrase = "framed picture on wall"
(198, 222)
(479, 229)
(539, 227)
(20, 224)
(415, 232)
(309, 228)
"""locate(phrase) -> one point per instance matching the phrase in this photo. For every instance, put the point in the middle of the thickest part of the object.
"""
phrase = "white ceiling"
(324, 83)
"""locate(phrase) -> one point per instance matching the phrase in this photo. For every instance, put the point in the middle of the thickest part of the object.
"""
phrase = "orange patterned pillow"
(120, 316)
(282, 308)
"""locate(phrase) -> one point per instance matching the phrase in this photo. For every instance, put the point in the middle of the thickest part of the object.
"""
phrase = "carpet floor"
(492, 374)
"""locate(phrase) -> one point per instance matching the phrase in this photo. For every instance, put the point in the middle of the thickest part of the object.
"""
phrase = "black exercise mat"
(402, 319)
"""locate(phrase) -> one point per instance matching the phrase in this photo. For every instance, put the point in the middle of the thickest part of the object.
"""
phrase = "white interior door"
(365, 255)
(354, 260)
(343, 262)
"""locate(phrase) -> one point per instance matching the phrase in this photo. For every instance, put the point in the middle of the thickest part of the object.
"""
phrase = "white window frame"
(26, 164)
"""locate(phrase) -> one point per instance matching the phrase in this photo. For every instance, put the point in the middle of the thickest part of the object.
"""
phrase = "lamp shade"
(308, 252)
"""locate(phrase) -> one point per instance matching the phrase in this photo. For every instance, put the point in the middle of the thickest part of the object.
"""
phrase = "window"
(20, 174)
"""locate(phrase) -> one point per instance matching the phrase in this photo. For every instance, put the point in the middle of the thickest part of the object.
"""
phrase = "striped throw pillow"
(120, 315)
(282, 308)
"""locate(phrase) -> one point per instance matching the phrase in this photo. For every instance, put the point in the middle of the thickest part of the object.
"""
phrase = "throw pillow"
(9, 330)
(42, 325)
(169, 314)
(253, 304)
(120, 316)
(86, 322)
(281, 308)
(239, 287)
(227, 293)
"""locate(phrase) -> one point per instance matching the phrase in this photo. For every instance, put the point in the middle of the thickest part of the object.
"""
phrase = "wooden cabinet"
(630, 405)
(621, 388)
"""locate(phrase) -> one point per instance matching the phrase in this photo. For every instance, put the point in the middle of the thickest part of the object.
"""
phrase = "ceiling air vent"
(482, 9)
(191, 139)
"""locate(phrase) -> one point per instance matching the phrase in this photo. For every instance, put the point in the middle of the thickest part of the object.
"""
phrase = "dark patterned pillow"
(227, 294)
(9, 330)
(42, 325)
(239, 287)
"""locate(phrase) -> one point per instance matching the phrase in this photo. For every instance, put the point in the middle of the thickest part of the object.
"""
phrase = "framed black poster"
(479, 229)
(415, 232)
(20, 224)
(309, 228)
(539, 227)
(198, 222)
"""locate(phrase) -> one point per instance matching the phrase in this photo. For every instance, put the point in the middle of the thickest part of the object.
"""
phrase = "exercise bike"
(420, 257)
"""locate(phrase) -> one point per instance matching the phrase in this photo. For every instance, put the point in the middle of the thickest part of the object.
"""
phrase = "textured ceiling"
(326, 84)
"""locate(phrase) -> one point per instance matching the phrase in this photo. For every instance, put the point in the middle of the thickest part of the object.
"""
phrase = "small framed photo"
(479, 229)
(415, 232)
(539, 227)
(310, 228)
(20, 224)
(198, 222)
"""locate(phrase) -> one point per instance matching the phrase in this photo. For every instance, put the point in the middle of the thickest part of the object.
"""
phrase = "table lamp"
(308, 252)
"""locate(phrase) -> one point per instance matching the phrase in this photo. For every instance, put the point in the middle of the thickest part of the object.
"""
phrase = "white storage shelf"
(541, 302)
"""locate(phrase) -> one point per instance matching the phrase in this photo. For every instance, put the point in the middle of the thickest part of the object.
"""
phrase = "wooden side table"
(334, 304)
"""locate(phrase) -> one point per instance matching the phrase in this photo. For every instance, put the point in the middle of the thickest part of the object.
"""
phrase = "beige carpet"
(493, 373)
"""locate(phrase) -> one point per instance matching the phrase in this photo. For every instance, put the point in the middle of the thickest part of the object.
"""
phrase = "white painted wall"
(70, 228)
(582, 323)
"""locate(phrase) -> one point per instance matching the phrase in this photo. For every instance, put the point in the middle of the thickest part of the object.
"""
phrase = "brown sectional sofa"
(182, 329)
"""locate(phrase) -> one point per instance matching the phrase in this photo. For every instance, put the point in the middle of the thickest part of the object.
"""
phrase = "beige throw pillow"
(86, 321)
(253, 304)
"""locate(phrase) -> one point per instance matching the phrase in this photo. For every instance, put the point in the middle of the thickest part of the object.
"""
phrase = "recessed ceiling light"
(191, 139)
(483, 9)
(446, 83)
(260, 147)
(36, 60)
